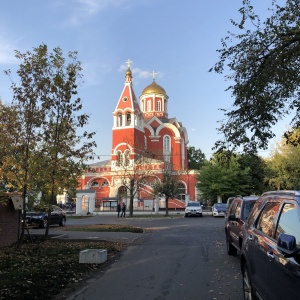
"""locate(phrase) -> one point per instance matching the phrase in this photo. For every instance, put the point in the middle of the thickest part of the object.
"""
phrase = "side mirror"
(287, 245)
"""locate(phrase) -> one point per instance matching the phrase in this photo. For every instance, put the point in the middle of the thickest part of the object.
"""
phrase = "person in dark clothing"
(119, 209)
(123, 209)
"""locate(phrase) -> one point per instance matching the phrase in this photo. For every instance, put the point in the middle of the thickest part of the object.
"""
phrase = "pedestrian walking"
(123, 209)
(119, 209)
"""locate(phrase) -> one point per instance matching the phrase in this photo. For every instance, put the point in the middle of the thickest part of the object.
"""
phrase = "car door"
(285, 271)
(55, 215)
(234, 225)
(262, 248)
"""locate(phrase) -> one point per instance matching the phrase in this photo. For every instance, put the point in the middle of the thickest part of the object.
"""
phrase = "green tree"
(20, 134)
(284, 167)
(168, 186)
(65, 150)
(217, 180)
(262, 62)
(48, 151)
(257, 172)
(195, 158)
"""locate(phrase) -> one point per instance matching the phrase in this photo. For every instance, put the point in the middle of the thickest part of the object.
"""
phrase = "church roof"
(153, 88)
(103, 163)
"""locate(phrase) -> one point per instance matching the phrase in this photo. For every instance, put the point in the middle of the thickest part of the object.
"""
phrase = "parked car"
(193, 208)
(69, 205)
(218, 210)
(40, 218)
(238, 213)
(270, 256)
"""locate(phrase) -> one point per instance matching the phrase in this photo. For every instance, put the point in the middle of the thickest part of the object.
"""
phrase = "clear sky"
(176, 39)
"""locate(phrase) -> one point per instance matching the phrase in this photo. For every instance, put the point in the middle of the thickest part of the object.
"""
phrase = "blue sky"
(176, 39)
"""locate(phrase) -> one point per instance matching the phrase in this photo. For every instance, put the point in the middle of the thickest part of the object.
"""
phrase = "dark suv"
(235, 218)
(270, 256)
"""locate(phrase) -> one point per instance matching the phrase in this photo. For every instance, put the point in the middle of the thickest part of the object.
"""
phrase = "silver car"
(193, 208)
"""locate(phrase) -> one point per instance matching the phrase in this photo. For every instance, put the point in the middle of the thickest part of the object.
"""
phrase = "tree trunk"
(131, 198)
(167, 206)
(131, 206)
(24, 212)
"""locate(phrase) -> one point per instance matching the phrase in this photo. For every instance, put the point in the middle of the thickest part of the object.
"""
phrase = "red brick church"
(139, 126)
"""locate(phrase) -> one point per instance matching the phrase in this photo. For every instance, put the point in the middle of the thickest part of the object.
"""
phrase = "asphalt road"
(177, 258)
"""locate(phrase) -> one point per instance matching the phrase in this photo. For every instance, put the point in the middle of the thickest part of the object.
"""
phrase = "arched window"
(128, 119)
(119, 159)
(158, 105)
(126, 158)
(167, 148)
(181, 191)
(149, 105)
(104, 183)
(119, 120)
(135, 120)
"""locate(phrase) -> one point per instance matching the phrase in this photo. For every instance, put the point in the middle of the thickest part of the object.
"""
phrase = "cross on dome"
(128, 62)
(153, 75)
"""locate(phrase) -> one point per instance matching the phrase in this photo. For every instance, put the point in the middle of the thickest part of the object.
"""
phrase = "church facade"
(141, 129)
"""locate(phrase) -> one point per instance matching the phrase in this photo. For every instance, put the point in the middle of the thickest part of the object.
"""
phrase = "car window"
(194, 204)
(246, 209)
(229, 201)
(267, 218)
(238, 210)
(235, 208)
(289, 222)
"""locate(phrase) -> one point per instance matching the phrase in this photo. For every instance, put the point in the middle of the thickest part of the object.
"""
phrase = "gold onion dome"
(128, 72)
(153, 88)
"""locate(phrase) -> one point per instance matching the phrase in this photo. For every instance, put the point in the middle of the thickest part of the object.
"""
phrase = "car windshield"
(193, 204)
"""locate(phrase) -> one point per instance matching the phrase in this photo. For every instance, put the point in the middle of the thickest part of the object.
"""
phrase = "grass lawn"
(42, 269)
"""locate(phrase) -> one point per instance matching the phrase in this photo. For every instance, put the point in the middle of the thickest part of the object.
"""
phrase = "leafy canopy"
(196, 158)
(262, 61)
(41, 146)
(284, 167)
(223, 178)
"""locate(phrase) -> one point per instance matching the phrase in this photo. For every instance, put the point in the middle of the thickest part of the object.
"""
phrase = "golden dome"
(128, 72)
(153, 88)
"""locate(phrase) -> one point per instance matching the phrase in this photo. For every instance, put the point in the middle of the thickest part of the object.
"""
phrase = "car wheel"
(62, 222)
(200, 215)
(247, 287)
(45, 222)
(231, 250)
(186, 215)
